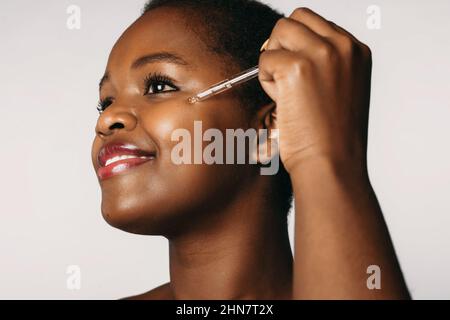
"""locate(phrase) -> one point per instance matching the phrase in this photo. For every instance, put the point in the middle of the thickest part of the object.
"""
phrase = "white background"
(50, 199)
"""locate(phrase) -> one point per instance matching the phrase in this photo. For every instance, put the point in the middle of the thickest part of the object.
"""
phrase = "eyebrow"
(103, 80)
(162, 56)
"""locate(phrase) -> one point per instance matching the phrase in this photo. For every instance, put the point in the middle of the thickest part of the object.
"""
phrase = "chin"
(165, 206)
(157, 216)
(133, 221)
(131, 216)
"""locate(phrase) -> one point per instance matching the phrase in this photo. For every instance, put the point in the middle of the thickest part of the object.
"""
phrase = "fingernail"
(264, 46)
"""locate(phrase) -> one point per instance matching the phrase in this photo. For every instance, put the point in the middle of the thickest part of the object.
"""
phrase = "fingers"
(283, 67)
(307, 32)
(312, 34)
(292, 35)
(305, 42)
(314, 21)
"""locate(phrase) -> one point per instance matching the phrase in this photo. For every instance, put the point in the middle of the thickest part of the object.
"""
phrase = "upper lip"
(114, 149)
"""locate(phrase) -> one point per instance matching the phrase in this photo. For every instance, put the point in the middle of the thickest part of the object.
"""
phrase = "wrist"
(322, 167)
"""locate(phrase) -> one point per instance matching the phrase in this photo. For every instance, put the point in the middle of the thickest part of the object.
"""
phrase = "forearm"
(339, 233)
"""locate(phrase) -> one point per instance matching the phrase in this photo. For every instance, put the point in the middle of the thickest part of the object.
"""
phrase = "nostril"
(116, 125)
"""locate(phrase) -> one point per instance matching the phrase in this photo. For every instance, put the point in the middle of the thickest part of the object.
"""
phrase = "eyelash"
(103, 104)
(158, 78)
(149, 81)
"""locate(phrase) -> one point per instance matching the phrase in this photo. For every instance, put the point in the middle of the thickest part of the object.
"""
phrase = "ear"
(266, 117)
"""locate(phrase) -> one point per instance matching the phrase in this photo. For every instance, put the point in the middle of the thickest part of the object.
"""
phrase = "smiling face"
(156, 65)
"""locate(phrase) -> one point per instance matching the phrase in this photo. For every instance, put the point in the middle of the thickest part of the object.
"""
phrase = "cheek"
(160, 122)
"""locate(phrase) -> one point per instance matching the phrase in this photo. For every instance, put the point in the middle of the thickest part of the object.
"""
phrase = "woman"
(226, 223)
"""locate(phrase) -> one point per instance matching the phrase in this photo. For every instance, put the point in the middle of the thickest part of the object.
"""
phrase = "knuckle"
(326, 51)
(281, 23)
(301, 67)
(301, 10)
(280, 27)
(348, 45)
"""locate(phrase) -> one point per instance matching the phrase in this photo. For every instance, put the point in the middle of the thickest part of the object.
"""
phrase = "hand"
(319, 77)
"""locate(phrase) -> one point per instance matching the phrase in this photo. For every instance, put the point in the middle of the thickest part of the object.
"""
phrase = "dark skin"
(227, 238)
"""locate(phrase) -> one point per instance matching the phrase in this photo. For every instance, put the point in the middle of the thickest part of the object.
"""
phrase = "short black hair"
(236, 30)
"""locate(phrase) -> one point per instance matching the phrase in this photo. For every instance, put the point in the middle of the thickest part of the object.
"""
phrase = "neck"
(244, 254)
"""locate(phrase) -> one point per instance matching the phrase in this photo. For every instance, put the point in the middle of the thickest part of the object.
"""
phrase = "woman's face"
(153, 195)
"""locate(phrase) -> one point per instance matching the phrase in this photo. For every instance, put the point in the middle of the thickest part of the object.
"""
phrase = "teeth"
(123, 157)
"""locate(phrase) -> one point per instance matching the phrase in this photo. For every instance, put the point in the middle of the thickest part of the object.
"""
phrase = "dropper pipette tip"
(193, 100)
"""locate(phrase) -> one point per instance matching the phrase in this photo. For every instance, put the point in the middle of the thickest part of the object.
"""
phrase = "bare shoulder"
(162, 292)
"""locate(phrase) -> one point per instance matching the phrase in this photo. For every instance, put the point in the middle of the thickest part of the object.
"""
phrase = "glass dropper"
(227, 84)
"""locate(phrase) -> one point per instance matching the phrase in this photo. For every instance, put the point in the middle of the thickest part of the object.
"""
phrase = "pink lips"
(116, 158)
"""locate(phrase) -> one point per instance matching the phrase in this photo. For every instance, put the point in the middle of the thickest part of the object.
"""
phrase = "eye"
(103, 104)
(158, 83)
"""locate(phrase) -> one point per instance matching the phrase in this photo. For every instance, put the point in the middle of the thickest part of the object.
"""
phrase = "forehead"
(162, 29)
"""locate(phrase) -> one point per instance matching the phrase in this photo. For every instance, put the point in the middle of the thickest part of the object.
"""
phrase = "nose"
(114, 119)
